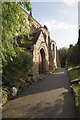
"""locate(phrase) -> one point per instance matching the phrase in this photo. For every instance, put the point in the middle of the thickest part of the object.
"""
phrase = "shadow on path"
(57, 80)
(46, 98)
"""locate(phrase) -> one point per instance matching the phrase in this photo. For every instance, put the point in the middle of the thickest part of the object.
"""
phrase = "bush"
(16, 61)
(73, 56)
(17, 69)
(63, 56)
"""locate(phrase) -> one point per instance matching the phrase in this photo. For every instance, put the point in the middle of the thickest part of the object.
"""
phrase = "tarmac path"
(50, 97)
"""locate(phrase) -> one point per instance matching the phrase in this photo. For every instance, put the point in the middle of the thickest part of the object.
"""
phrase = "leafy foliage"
(18, 69)
(13, 23)
(17, 62)
(73, 55)
(26, 5)
(75, 80)
(63, 56)
(79, 40)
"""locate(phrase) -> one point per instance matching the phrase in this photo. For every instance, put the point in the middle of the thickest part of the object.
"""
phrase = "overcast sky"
(61, 18)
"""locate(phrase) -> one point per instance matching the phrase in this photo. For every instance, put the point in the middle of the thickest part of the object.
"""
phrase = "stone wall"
(40, 44)
(43, 42)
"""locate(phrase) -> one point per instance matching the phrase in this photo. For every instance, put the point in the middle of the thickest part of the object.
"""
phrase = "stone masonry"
(44, 48)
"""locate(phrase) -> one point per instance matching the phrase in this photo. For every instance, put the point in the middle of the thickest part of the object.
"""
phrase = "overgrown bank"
(74, 74)
(70, 58)
(16, 60)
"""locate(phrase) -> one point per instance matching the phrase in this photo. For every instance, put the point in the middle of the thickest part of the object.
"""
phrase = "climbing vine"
(13, 23)
(16, 61)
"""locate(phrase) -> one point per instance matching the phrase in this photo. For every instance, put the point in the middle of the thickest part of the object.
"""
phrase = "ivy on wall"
(16, 61)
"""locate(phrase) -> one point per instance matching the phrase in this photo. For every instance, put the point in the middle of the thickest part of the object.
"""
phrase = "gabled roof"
(35, 36)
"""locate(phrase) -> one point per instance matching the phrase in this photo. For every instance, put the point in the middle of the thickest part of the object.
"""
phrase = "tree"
(73, 55)
(79, 40)
(63, 56)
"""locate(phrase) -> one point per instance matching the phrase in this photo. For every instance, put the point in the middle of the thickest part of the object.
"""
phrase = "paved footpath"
(46, 98)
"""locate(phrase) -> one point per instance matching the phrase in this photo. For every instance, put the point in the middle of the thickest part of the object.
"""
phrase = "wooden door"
(40, 63)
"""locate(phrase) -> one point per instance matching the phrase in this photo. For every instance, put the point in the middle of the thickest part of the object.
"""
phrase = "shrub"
(4, 91)
(16, 61)
(73, 56)
(63, 56)
(18, 68)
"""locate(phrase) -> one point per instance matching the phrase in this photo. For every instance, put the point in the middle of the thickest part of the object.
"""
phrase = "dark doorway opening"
(42, 62)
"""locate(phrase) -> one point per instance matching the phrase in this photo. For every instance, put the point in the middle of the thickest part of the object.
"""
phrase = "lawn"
(74, 74)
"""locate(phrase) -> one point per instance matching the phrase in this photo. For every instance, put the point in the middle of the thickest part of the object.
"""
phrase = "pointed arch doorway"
(42, 62)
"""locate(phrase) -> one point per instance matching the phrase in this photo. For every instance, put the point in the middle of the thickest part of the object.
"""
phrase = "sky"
(61, 18)
(79, 15)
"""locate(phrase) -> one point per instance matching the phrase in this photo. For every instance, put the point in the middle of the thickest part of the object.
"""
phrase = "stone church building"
(43, 48)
